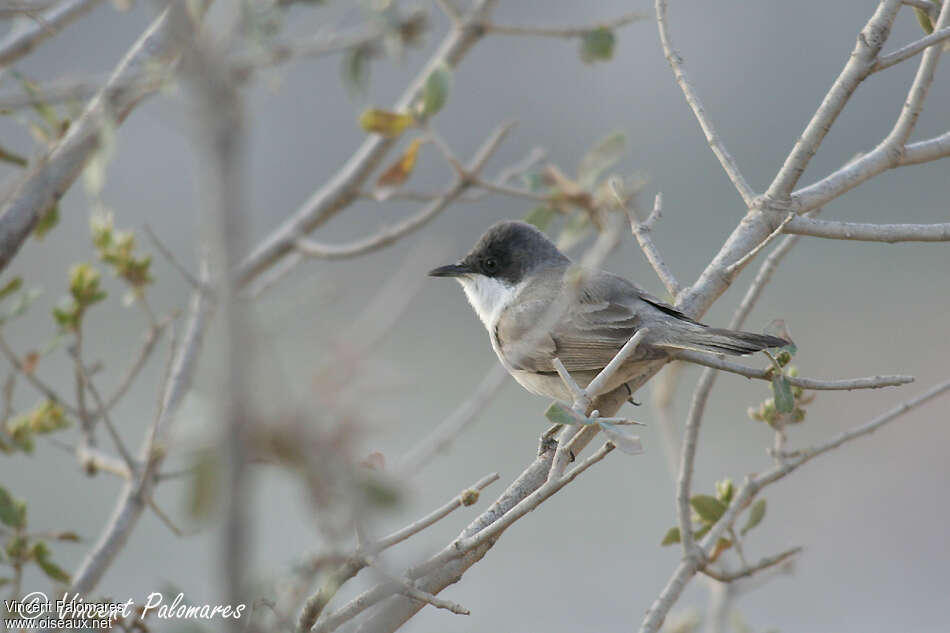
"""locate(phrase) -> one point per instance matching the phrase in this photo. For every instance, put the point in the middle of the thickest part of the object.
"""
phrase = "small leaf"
(597, 45)
(558, 413)
(782, 393)
(41, 555)
(10, 513)
(540, 216)
(626, 442)
(600, 158)
(923, 18)
(399, 172)
(356, 68)
(11, 286)
(709, 509)
(46, 222)
(71, 537)
(703, 531)
(725, 490)
(435, 92)
(389, 124)
(756, 514)
(672, 536)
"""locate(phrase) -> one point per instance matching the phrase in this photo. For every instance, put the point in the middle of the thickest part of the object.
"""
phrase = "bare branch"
(314, 606)
(864, 232)
(644, 234)
(46, 26)
(765, 563)
(906, 52)
(387, 236)
(712, 137)
(738, 265)
(54, 173)
(133, 498)
(870, 382)
(566, 32)
(406, 588)
(345, 186)
(697, 558)
(31, 377)
(868, 46)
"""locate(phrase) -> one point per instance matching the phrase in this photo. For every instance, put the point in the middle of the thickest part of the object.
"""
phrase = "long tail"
(720, 341)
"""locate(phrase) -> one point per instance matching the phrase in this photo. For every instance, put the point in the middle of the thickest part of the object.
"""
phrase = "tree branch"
(870, 382)
(565, 32)
(345, 185)
(864, 232)
(45, 26)
(906, 52)
(386, 236)
(54, 173)
(712, 137)
(866, 50)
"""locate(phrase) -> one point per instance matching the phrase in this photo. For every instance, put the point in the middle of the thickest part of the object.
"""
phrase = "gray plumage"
(538, 306)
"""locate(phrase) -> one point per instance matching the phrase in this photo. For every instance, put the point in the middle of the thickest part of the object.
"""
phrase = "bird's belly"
(547, 385)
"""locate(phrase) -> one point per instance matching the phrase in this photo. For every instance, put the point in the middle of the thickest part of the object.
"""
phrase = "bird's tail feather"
(721, 341)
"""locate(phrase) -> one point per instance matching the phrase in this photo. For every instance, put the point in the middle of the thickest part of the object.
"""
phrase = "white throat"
(488, 296)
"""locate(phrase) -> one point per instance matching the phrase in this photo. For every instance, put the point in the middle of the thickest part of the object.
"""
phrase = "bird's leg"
(630, 396)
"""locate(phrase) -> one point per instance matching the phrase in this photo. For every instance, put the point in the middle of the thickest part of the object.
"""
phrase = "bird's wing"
(584, 334)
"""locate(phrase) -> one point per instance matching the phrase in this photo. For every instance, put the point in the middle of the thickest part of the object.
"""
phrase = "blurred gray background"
(872, 517)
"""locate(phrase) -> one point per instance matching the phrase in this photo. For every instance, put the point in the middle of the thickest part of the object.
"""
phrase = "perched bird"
(537, 305)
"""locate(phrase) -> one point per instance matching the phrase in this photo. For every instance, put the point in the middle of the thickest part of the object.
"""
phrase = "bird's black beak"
(452, 270)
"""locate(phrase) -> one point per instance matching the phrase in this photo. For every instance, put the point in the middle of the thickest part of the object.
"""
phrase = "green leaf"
(708, 508)
(782, 393)
(626, 442)
(597, 45)
(558, 413)
(11, 513)
(725, 490)
(600, 158)
(435, 92)
(46, 222)
(540, 216)
(672, 536)
(41, 555)
(923, 18)
(11, 286)
(756, 514)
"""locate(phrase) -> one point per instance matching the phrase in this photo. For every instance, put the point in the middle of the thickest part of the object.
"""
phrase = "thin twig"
(47, 25)
(170, 257)
(848, 384)
(315, 605)
(644, 234)
(746, 571)
(386, 236)
(712, 137)
(739, 264)
(868, 46)
(906, 52)
(346, 184)
(565, 32)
